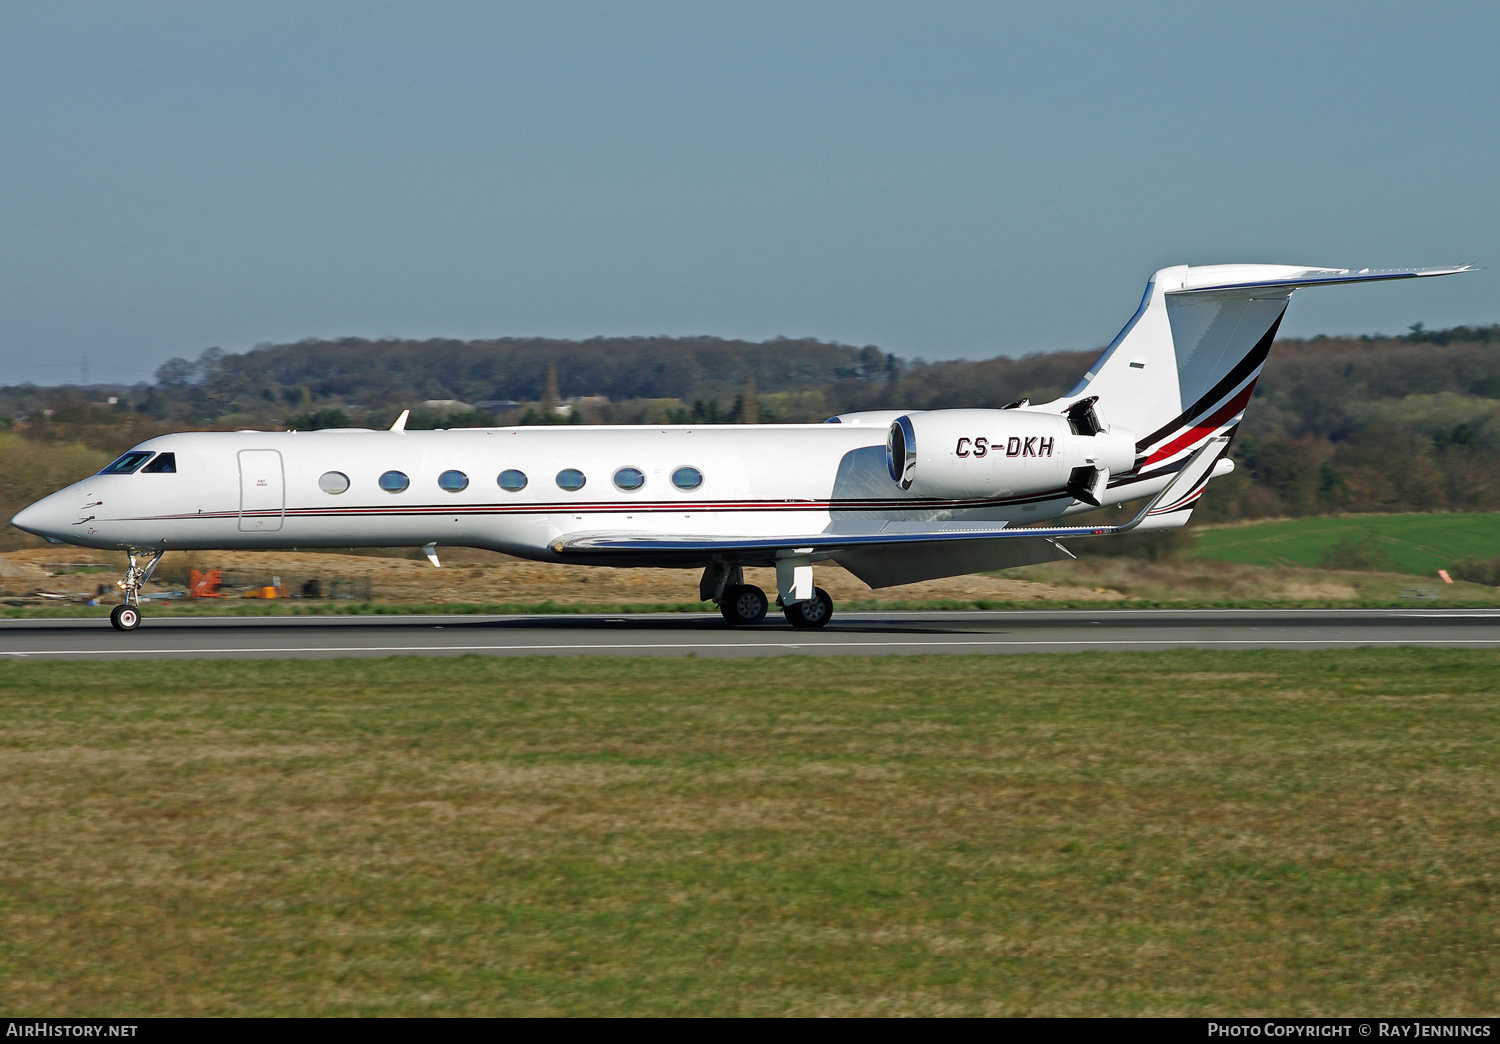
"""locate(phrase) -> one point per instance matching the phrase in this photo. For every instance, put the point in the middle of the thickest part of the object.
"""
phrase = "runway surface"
(680, 634)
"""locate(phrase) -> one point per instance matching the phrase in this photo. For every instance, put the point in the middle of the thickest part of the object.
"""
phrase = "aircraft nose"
(42, 518)
(28, 518)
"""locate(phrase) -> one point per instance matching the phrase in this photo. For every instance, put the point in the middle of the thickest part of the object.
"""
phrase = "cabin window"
(333, 482)
(164, 464)
(687, 478)
(453, 481)
(128, 463)
(571, 479)
(512, 481)
(630, 479)
(394, 482)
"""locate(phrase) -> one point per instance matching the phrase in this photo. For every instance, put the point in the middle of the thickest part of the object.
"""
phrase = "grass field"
(1418, 544)
(1155, 833)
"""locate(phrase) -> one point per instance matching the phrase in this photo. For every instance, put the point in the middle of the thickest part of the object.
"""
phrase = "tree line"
(1372, 423)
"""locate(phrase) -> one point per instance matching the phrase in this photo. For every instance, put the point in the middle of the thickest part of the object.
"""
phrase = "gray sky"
(939, 179)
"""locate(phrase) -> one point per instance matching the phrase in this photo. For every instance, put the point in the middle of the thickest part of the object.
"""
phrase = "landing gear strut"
(805, 607)
(127, 617)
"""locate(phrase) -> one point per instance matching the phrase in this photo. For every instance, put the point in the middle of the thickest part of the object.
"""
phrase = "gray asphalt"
(705, 635)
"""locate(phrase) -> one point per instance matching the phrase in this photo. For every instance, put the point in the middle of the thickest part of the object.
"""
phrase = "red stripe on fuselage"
(615, 508)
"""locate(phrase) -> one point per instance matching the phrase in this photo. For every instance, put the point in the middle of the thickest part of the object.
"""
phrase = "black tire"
(815, 612)
(744, 604)
(125, 617)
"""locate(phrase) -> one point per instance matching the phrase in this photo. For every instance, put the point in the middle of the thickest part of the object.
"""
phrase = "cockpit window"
(128, 463)
(164, 464)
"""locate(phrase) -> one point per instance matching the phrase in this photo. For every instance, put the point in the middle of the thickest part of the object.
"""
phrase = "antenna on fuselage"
(400, 424)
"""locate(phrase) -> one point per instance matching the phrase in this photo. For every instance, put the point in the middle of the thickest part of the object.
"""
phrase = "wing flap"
(913, 563)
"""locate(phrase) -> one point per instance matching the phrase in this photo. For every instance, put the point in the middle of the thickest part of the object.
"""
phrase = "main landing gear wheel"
(125, 617)
(744, 604)
(815, 612)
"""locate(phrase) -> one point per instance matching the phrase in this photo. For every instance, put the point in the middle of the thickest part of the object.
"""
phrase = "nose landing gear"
(127, 617)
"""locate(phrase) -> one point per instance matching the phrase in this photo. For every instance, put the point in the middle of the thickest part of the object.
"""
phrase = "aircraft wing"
(1193, 474)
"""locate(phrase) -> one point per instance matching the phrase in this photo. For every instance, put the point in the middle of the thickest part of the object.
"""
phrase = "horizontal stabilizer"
(1207, 279)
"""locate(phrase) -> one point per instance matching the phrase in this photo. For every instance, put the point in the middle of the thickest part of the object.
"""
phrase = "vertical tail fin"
(1184, 367)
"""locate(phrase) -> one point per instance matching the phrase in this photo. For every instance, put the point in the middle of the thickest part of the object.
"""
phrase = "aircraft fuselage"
(246, 490)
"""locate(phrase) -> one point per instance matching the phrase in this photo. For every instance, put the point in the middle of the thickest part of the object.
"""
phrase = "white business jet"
(892, 497)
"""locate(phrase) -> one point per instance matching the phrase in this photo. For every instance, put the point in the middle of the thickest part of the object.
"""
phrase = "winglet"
(1174, 504)
(400, 424)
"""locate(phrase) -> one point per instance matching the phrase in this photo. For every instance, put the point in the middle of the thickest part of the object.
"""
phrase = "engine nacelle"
(979, 454)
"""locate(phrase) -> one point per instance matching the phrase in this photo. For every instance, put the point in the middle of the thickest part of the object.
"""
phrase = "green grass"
(1417, 544)
(1156, 833)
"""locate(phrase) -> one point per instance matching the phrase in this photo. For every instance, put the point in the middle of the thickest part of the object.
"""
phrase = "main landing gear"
(743, 604)
(127, 617)
(815, 612)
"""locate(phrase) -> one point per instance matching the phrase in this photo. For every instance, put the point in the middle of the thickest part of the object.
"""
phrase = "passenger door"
(262, 491)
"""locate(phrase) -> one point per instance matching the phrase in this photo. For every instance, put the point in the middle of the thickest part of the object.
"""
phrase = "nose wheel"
(127, 617)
